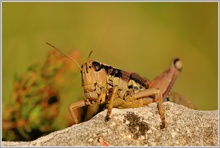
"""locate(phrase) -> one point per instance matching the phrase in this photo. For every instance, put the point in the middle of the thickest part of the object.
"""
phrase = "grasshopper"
(113, 87)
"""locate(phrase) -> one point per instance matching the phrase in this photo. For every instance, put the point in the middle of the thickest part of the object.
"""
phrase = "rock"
(138, 127)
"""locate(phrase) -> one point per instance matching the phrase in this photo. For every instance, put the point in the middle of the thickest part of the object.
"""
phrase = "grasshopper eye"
(97, 66)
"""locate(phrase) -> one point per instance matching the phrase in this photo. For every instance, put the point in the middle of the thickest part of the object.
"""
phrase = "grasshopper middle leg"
(137, 100)
(111, 102)
(157, 98)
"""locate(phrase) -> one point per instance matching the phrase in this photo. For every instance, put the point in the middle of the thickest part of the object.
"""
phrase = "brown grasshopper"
(117, 88)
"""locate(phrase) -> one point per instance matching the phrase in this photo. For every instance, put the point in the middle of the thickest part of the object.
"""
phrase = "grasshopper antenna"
(65, 54)
(90, 54)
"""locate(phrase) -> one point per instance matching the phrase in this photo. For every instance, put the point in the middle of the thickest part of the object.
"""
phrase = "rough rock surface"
(138, 127)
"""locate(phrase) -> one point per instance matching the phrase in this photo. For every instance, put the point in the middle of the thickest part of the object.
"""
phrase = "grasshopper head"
(93, 78)
(92, 73)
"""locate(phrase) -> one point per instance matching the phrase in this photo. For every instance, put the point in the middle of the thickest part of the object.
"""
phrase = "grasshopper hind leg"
(161, 110)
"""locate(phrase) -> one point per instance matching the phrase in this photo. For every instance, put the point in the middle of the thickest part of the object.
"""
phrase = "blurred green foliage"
(35, 101)
(137, 37)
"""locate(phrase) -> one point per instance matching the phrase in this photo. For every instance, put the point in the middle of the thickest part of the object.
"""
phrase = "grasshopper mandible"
(117, 88)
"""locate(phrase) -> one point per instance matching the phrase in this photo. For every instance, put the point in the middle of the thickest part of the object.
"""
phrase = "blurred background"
(136, 37)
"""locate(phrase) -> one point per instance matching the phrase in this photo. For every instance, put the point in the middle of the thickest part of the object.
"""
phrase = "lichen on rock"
(138, 127)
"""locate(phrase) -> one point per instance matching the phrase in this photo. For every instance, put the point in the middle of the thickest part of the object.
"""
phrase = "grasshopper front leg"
(76, 105)
(86, 102)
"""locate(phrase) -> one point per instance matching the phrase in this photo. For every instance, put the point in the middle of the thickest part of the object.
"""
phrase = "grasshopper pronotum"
(117, 88)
